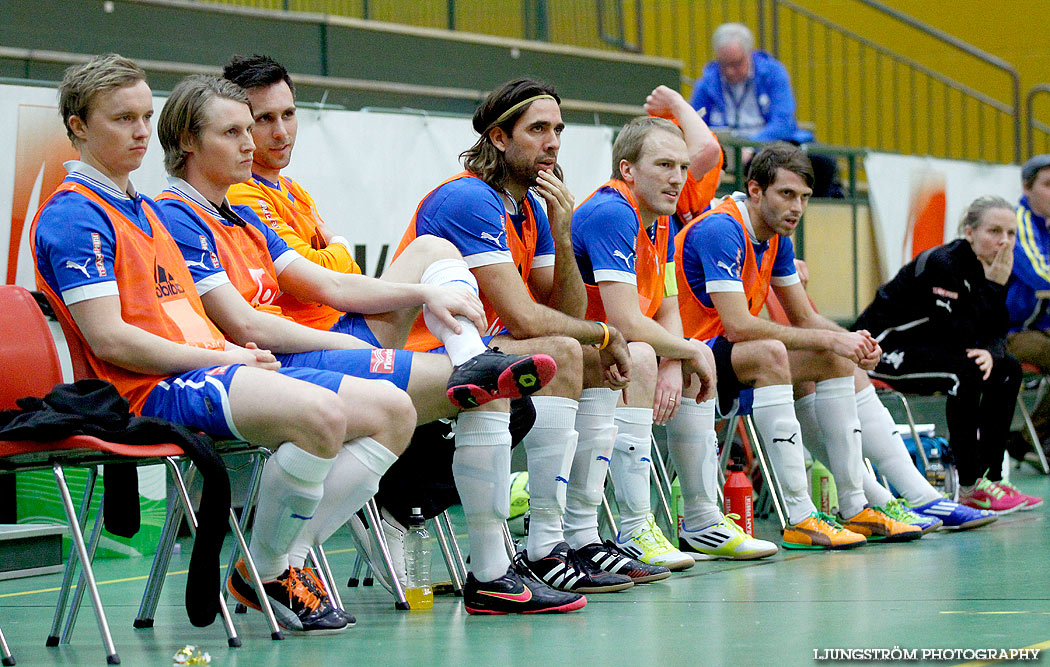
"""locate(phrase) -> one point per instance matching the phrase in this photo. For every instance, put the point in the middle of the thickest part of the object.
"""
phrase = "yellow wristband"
(605, 341)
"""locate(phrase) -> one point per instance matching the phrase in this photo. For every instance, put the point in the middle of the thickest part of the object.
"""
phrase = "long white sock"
(352, 480)
(466, 344)
(550, 447)
(693, 446)
(597, 431)
(774, 416)
(806, 411)
(836, 409)
(481, 466)
(631, 458)
(882, 444)
(291, 488)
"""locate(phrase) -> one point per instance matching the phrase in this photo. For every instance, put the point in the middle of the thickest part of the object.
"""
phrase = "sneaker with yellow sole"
(723, 539)
(820, 531)
(649, 545)
(878, 526)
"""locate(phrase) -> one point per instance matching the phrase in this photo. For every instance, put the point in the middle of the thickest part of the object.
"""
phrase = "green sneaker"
(896, 509)
(649, 545)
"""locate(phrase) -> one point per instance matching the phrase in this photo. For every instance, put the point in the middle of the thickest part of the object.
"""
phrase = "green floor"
(985, 588)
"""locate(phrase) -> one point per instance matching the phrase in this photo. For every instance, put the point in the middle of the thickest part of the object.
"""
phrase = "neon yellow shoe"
(724, 539)
(519, 494)
(649, 545)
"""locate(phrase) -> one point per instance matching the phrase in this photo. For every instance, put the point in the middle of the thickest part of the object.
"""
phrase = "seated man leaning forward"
(624, 247)
(240, 265)
(725, 261)
(119, 282)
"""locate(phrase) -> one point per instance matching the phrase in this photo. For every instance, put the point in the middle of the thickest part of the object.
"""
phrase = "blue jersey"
(468, 213)
(604, 232)
(713, 255)
(197, 242)
(75, 242)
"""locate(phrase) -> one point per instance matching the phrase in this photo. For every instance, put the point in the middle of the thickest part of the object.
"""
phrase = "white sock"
(693, 446)
(774, 416)
(481, 466)
(882, 444)
(631, 459)
(466, 344)
(836, 409)
(352, 480)
(550, 447)
(290, 490)
(590, 465)
(805, 410)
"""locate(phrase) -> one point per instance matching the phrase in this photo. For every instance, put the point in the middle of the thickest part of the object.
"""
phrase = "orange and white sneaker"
(820, 531)
(878, 526)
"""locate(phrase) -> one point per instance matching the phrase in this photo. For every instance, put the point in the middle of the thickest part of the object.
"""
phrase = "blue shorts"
(201, 399)
(379, 364)
(354, 324)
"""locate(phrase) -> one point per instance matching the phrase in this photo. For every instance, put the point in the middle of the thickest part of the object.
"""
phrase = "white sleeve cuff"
(784, 281)
(541, 261)
(341, 240)
(487, 258)
(286, 258)
(208, 283)
(612, 276)
(92, 291)
(724, 286)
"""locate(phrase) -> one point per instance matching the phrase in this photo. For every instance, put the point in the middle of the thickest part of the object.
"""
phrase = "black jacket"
(93, 407)
(940, 298)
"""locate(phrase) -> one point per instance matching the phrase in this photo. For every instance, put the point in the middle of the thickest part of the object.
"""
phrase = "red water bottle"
(738, 499)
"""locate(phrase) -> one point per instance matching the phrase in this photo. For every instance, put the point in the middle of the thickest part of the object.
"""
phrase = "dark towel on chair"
(93, 407)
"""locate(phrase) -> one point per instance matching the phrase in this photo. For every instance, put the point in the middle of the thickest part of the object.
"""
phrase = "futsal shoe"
(987, 495)
(649, 545)
(1030, 502)
(295, 605)
(564, 570)
(899, 511)
(517, 592)
(724, 539)
(878, 526)
(954, 515)
(606, 557)
(493, 374)
(820, 531)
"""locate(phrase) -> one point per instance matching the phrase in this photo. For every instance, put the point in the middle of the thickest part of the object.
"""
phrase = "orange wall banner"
(916, 202)
(366, 171)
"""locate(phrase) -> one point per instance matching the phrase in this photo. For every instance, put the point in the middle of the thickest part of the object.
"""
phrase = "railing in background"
(1042, 145)
(854, 91)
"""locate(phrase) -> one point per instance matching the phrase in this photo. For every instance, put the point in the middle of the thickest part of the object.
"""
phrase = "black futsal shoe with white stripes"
(607, 558)
(564, 570)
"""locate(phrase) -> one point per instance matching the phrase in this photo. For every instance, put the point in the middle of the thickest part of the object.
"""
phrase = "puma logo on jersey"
(70, 264)
(626, 259)
(199, 263)
(730, 269)
(490, 237)
(895, 358)
(947, 305)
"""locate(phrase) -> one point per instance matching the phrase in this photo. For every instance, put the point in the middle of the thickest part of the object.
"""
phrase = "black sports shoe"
(608, 558)
(316, 586)
(522, 419)
(517, 592)
(296, 607)
(564, 570)
(493, 374)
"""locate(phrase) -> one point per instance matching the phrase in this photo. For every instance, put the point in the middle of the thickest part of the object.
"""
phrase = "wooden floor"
(985, 588)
